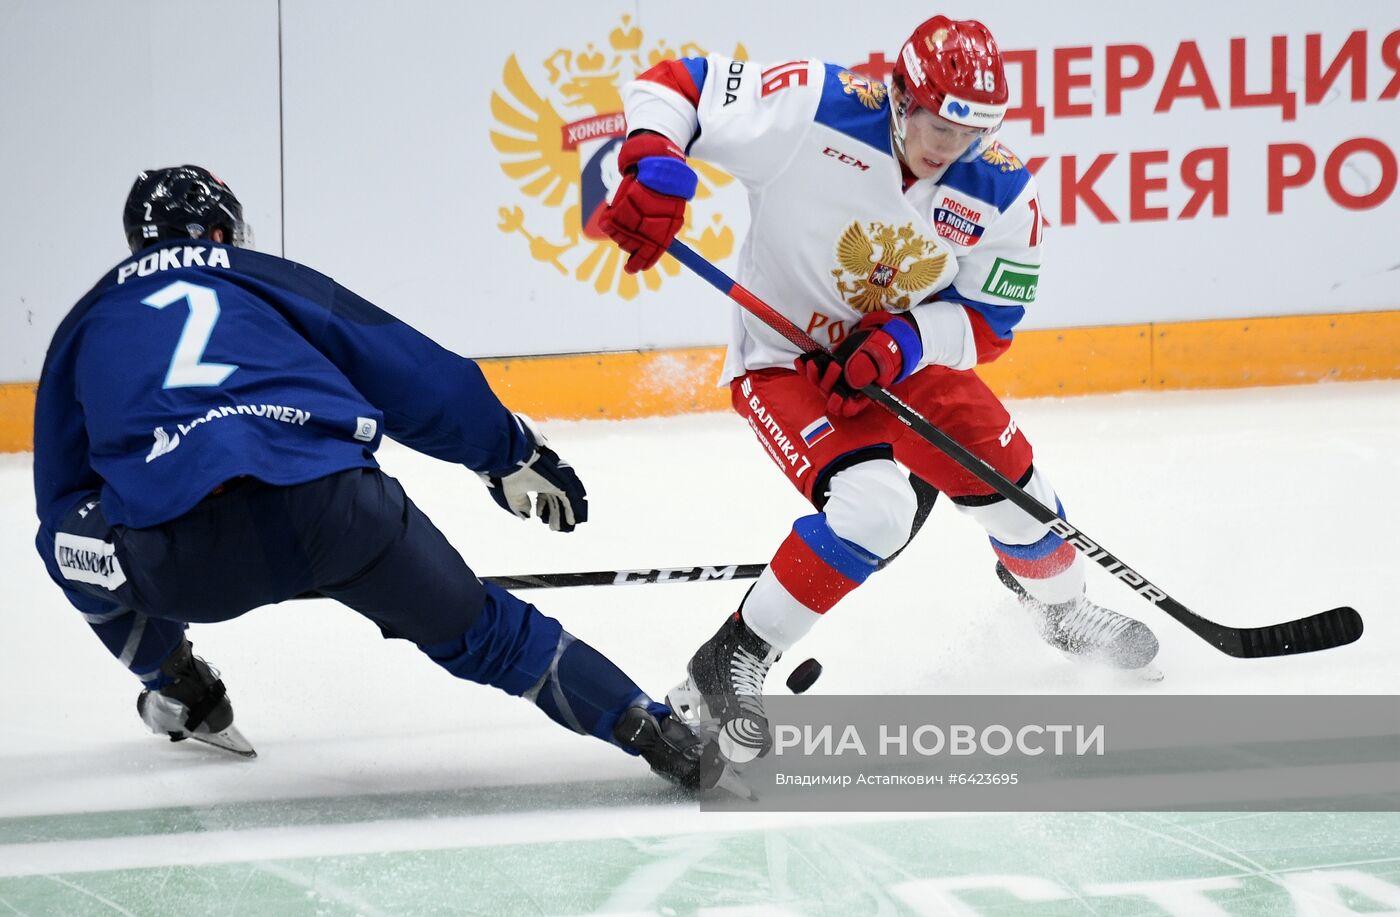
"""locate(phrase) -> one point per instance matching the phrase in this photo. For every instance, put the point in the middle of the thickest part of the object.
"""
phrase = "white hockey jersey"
(834, 231)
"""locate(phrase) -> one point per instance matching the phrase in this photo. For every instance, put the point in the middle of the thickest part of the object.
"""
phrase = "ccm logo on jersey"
(847, 160)
(958, 223)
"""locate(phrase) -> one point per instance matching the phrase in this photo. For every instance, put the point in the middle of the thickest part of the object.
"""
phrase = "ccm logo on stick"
(674, 575)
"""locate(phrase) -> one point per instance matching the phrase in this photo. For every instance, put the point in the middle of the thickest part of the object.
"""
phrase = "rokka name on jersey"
(171, 258)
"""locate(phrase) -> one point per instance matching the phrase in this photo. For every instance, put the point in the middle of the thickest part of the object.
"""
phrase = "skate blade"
(230, 740)
(717, 773)
(1148, 672)
(730, 782)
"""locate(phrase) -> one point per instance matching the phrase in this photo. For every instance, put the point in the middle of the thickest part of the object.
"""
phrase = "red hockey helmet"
(953, 68)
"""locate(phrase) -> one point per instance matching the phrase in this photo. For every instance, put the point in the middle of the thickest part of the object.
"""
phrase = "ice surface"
(385, 786)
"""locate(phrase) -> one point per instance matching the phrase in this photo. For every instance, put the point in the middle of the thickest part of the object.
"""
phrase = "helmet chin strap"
(899, 122)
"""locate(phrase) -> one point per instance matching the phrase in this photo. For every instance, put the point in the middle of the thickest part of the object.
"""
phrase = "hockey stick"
(627, 577)
(799, 679)
(661, 575)
(1324, 630)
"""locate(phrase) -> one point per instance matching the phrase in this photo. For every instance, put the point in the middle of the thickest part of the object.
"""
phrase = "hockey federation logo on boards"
(566, 164)
(886, 268)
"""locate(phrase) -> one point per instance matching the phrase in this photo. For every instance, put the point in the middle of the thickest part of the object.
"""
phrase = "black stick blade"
(1322, 631)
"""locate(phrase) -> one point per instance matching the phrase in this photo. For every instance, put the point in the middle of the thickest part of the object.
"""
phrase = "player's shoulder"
(855, 105)
(119, 284)
(995, 176)
(203, 263)
(283, 273)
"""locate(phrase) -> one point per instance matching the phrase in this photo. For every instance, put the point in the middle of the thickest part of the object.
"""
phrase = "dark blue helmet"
(182, 202)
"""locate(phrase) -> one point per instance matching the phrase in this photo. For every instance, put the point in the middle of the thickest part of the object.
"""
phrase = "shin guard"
(514, 647)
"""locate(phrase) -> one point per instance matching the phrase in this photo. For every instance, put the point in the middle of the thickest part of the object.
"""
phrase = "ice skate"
(674, 749)
(1083, 629)
(193, 706)
(724, 690)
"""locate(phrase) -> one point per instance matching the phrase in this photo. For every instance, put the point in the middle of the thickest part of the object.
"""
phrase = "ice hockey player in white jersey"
(892, 225)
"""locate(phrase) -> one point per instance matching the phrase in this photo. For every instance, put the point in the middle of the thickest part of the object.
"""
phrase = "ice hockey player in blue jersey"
(204, 442)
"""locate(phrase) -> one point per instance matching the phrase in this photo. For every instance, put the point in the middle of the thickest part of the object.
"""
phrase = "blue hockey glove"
(560, 500)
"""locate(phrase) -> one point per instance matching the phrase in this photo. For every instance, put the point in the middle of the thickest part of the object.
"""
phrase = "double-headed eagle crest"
(998, 155)
(568, 163)
(892, 278)
(870, 93)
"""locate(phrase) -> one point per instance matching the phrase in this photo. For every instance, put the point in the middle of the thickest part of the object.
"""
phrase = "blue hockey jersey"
(192, 363)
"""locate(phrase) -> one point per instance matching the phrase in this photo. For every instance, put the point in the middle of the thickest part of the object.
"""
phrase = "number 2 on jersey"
(186, 368)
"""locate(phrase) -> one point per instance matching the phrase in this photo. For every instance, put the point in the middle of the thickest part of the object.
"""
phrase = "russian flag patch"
(816, 431)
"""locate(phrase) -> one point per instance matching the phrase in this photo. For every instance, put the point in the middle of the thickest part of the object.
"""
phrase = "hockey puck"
(804, 676)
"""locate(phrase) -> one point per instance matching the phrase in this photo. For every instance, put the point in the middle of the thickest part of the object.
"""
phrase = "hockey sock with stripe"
(813, 569)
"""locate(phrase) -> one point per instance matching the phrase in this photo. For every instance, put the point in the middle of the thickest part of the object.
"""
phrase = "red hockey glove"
(649, 207)
(883, 348)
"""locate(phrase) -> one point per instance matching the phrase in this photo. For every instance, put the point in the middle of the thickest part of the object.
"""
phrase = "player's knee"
(1008, 523)
(872, 505)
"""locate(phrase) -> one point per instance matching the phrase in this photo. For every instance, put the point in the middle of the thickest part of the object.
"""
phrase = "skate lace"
(747, 673)
(1088, 624)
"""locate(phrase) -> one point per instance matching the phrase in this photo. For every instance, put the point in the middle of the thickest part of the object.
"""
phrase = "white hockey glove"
(560, 501)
